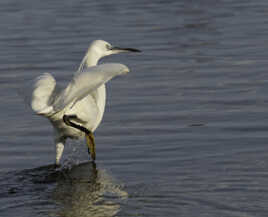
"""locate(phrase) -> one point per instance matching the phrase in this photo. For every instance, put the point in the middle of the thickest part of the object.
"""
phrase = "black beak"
(125, 49)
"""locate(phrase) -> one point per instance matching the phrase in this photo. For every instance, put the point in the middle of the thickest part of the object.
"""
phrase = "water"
(184, 133)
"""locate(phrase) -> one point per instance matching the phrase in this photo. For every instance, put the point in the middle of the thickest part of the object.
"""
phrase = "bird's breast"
(89, 110)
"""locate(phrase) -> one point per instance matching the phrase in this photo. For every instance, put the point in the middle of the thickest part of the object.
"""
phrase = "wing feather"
(41, 91)
(87, 81)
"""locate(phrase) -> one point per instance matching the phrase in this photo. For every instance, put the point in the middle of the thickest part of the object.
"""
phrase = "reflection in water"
(81, 190)
(84, 190)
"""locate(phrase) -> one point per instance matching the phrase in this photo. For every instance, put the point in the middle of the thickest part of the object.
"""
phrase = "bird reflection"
(85, 191)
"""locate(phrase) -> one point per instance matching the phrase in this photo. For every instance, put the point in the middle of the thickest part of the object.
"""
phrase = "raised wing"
(87, 81)
(43, 89)
(38, 93)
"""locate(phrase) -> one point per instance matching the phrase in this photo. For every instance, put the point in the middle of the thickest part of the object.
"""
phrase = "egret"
(77, 110)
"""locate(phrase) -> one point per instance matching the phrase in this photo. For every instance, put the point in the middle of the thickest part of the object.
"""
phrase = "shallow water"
(184, 133)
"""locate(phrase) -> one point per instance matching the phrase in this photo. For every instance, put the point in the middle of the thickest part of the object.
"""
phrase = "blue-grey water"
(184, 133)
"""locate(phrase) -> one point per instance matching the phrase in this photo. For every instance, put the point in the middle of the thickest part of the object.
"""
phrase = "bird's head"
(103, 48)
(99, 49)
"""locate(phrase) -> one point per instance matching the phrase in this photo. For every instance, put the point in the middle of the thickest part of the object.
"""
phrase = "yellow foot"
(91, 145)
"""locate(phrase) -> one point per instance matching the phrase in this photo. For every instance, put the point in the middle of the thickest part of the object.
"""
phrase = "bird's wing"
(39, 92)
(83, 83)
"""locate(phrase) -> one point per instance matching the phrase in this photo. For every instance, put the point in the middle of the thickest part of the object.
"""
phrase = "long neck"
(91, 59)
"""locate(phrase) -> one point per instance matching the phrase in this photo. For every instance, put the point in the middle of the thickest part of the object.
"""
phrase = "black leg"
(67, 121)
(88, 134)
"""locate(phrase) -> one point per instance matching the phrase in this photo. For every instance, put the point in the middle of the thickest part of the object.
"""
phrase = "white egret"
(77, 110)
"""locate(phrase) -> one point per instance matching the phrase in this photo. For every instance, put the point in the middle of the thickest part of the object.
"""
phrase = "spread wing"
(38, 93)
(87, 81)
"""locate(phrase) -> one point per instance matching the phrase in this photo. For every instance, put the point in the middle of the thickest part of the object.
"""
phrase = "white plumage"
(83, 83)
(43, 88)
(84, 97)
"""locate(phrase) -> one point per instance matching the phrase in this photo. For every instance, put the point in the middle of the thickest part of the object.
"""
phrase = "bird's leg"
(59, 150)
(88, 134)
(67, 121)
(91, 145)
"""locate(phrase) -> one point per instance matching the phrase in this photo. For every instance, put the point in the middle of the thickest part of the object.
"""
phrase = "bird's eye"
(109, 47)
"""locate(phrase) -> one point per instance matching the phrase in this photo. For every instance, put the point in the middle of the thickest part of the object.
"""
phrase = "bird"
(76, 110)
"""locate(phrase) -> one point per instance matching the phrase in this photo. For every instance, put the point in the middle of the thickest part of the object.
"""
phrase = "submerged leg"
(88, 134)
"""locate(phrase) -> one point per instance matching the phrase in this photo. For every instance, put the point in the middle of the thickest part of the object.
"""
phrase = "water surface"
(184, 133)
